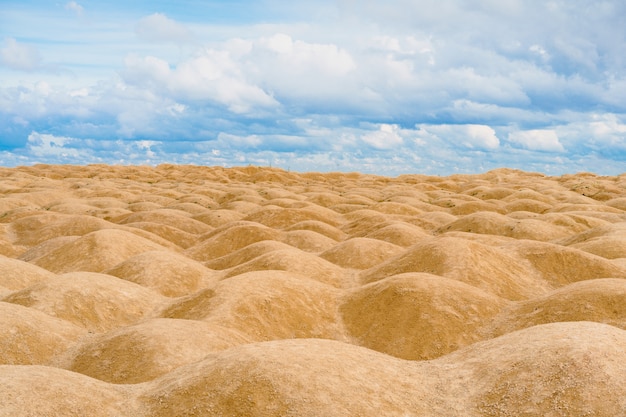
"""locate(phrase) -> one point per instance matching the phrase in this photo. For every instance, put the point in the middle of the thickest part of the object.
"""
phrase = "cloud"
(159, 28)
(45, 145)
(385, 138)
(19, 56)
(74, 7)
(435, 86)
(604, 134)
(469, 136)
(537, 140)
(210, 77)
(306, 75)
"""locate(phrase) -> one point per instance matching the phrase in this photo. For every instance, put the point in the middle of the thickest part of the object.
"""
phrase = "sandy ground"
(196, 291)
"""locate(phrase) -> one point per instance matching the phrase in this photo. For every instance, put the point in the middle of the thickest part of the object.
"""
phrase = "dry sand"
(195, 291)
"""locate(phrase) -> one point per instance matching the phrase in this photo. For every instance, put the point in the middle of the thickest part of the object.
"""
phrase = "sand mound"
(599, 300)
(308, 240)
(171, 234)
(361, 253)
(230, 238)
(168, 273)
(560, 265)
(45, 391)
(610, 247)
(547, 370)
(191, 290)
(399, 233)
(281, 218)
(418, 315)
(33, 230)
(30, 337)
(17, 275)
(246, 254)
(482, 266)
(298, 262)
(278, 379)
(147, 350)
(169, 217)
(497, 224)
(95, 301)
(319, 227)
(95, 252)
(266, 305)
(217, 218)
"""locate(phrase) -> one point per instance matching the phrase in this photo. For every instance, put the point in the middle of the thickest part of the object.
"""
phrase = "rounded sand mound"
(298, 262)
(562, 369)
(46, 391)
(30, 337)
(599, 300)
(95, 252)
(489, 268)
(293, 378)
(17, 275)
(266, 305)
(95, 301)
(417, 315)
(361, 253)
(147, 350)
(230, 238)
(560, 265)
(191, 290)
(170, 274)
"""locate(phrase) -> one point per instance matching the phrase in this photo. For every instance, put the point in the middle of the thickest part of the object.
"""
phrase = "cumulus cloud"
(19, 56)
(298, 55)
(385, 138)
(211, 76)
(469, 136)
(303, 74)
(537, 140)
(45, 145)
(604, 134)
(159, 28)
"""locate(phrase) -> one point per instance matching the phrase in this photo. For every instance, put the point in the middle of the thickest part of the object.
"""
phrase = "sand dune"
(188, 290)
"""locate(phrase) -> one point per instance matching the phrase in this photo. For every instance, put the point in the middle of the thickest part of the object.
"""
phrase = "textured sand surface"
(196, 291)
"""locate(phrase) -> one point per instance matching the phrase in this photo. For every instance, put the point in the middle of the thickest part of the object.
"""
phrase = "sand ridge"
(209, 291)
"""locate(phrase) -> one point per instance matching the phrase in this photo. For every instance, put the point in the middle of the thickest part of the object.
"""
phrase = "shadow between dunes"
(206, 291)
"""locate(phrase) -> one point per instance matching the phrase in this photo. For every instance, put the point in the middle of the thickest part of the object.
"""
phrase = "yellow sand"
(206, 291)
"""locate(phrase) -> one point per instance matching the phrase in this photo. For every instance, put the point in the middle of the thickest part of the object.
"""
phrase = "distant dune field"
(205, 291)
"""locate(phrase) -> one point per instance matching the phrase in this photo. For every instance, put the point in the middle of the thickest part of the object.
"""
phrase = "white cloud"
(19, 56)
(608, 125)
(143, 71)
(74, 7)
(211, 76)
(302, 56)
(468, 136)
(602, 133)
(537, 140)
(159, 28)
(299, 70)
(386, 137)
(45, 145)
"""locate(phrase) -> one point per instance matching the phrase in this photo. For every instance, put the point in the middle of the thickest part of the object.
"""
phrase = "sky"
(386, 87)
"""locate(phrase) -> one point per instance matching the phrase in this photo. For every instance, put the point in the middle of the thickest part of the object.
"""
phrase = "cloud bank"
(393, 87)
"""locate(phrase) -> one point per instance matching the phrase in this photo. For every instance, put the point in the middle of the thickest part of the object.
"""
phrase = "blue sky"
(387, 87)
